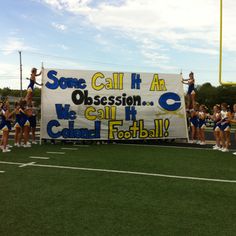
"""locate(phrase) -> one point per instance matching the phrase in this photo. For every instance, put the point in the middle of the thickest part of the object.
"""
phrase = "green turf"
(45, 201)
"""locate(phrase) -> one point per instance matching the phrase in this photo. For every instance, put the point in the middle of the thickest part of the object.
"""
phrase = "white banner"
(82, 105)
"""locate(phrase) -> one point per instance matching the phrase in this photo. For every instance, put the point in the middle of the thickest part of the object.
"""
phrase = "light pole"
(20, 74)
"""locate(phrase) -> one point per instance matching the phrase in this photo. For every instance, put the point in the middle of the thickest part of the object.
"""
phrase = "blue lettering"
(63, 82)
(72, 133)
(51, 124)
(64, 113)
(170, 96)
(55, 84)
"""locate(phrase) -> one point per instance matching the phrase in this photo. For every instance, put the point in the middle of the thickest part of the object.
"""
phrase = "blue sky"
(122, 35)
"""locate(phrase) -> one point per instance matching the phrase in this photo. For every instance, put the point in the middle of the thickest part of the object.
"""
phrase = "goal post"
(221, 81)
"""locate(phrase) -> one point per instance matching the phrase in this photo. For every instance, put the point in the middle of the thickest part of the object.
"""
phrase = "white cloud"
(60, 27)
(14, 44)
(63, 46)
(157, 26)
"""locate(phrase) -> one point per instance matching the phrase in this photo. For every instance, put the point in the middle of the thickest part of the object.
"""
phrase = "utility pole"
(20, 74)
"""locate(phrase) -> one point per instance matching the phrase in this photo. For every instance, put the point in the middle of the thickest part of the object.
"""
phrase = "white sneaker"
(225, 150)
(190, 141)
(34, 142)
(26, 145)
(202, 143)
(234, 153)
(216, 148)
(17, 145)
(6, 150)
(9, 146)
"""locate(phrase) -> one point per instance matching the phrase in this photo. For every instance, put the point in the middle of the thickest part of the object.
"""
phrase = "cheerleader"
(30, 88)
(202, 124)
(216, 117)
(18, 125)
(25, 114)
(233, 121)
(5, 125)
(32, 120)
(191, 90)
(194, 124)
(225, 127)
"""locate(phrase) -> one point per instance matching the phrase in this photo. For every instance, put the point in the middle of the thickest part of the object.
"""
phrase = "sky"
(117, 35)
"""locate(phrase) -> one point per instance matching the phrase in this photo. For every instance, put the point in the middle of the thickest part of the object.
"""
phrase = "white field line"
(119, 172)
(27, 164)
(41, 158)
(60, 153)
(170, 146)
(75, 149)
(1, 171)
(80, 145)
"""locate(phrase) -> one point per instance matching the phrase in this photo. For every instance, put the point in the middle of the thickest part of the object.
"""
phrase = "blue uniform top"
(191, 88)
(31, 84)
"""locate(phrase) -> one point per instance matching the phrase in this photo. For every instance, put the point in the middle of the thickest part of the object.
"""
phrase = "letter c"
(170, 96)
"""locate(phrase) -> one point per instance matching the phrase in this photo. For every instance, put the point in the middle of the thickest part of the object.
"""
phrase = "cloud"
(159, 28)
(60, 27)
(14, 44)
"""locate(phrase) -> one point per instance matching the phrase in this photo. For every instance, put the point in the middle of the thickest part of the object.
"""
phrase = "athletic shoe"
(190, 141)
(198, 142)
(202, 143)
(234, 153)
(34, 142)
(6, 150)
(9, 146)
(216, 148)
(17, 145)
(26, 145)
(225, 150)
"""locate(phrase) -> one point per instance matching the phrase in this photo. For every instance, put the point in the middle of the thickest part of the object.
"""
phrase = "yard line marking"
(81, 145)
(61, 153)
(33, 164)
(170, 146)
(1, 171)
(27, 164)
(41, 158)
(69, 149)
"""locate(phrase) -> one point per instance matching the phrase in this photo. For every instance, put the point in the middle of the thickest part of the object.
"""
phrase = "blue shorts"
(202, 124)
(5, 126)
(32, 120)
(217, 127)
(191, 89)
(225, 126)
(194, 121)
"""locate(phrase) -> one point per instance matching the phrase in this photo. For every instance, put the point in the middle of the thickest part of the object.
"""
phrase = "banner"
(93, 105)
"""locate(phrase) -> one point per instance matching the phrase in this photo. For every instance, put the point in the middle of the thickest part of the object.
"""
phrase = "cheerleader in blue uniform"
(25, 113)
(233, 120)
(17, 125)
(202, 124)
(216, 117)
(30, 88)
(225, 127)
(194, 124)
(5, 125)
(33, 122)
(191, 90)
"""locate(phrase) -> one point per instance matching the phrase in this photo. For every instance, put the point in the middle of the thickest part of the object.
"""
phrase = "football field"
(117, 190)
